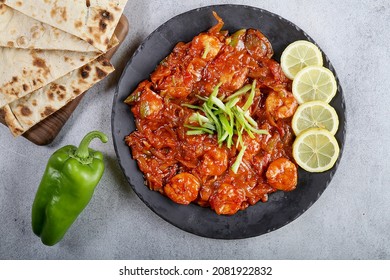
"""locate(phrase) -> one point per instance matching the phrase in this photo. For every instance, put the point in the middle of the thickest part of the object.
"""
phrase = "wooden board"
(44, 132)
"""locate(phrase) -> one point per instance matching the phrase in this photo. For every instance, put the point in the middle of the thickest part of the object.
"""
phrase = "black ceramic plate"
(282, 207)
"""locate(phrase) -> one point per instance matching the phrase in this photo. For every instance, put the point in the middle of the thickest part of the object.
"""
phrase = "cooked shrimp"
(253, 145)
(183, 188)
(205, 46)
(227, 199)
(280, 107)
(282, 174)
(149, 106)
(214, 162)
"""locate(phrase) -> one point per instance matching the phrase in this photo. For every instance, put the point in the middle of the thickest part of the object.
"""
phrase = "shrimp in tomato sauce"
(198, 168)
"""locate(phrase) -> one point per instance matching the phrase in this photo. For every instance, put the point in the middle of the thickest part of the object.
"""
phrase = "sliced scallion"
(195, 132)
(240, 92)
(192, 106)
(238, 161)
(216, 101)
(251, 96)
(209, 113)
(226, 124)
(232, 102)
(224, 136)
(209, 131)
(206, 50)
(196, 117)
(201, 97)
(224, 117)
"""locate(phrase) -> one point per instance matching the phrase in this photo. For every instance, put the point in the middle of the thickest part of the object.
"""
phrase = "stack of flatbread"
(51, 51)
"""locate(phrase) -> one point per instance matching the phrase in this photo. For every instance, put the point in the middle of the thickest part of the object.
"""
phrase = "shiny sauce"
(196, 168)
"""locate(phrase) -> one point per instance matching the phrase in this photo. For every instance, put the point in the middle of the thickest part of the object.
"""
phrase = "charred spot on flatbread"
(78, 24)
(25, 87)
(106, 15)
(40, 63)
(84, 74)
(76, 91)
(84, 71)
(88, 3)
(25, 111)
(103, 61)
(50, 95)
(102, 25)
(48, 111)
(10, 44)
(100, 73)
(56, 90)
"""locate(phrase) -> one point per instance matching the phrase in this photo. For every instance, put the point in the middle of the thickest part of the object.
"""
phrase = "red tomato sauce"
(195, 168)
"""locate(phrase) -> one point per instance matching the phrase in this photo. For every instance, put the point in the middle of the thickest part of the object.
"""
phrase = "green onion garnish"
(240, 92)
(249, 102)
(209, 131)
(206, 50)
(238, 161)
(192, 106)
(225, 118)
(195, 132)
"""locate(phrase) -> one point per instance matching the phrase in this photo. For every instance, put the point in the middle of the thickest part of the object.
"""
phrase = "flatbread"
(92, 20)
(24, 113)
(20, 31)
(23, 71)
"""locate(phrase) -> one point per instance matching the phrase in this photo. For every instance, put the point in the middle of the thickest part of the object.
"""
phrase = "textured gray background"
(350, 220)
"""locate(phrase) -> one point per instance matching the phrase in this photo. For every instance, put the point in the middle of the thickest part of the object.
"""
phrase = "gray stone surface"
(349, 221)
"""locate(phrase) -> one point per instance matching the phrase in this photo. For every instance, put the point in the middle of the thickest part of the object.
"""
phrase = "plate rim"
(340, 92)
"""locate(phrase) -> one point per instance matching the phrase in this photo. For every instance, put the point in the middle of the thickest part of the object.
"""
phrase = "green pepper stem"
(82, 151)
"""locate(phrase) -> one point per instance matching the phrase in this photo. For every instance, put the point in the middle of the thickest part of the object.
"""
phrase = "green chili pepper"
(66, 188)
(132, 98)
(206, 50)
(236, 37)
(144, 109)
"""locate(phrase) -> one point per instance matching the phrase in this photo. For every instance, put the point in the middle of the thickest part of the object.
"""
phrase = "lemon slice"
(315, 114)
(316, 150)
(299, 55)
(314, 83)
